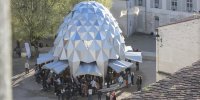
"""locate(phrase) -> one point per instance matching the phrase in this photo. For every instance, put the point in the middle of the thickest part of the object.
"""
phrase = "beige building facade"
(152, 13)
(155, 13)
(178, 45)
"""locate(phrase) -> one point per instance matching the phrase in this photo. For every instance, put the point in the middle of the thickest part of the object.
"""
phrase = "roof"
(184, 84)
(183, 20)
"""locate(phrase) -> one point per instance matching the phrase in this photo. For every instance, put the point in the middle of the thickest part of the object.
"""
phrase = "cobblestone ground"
(25, 87)
(142, 42)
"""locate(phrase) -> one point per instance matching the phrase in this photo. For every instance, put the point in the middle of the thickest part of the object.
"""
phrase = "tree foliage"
(33, 20)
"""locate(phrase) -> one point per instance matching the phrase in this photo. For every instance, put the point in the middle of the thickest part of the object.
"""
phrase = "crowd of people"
(67, 87)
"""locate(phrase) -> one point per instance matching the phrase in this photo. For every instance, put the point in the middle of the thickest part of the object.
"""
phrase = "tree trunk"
(5, 51)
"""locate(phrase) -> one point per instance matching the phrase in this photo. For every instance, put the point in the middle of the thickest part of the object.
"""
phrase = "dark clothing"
(107, 97)
(93, 90)
(62, 96)
(132, 79)
(114, 97)
(67, 93)
(140, 81)
(138, 84)
(99, 95)
(58, 93)
(44, 84)
(26, 70)
(55, 86)
(18, 51)
(137, 66)
(108, 81)
(126, 78)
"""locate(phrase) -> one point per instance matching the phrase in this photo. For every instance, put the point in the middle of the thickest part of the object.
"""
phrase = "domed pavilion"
(88, 42)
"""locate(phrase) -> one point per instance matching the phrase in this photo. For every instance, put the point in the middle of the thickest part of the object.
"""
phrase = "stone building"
(152, 13)
(178, 45)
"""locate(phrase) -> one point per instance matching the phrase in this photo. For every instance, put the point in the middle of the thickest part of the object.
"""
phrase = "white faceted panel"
(57, 51)
(63, 55)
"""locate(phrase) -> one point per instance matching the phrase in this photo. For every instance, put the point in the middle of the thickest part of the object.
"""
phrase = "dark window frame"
(189, 5)
(174, 5)
(156, 3)
(140, 2)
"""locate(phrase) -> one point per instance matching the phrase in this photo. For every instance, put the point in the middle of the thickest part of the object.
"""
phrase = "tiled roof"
(184, 84)
(183, 20)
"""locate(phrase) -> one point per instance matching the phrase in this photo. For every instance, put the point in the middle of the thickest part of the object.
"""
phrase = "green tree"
(33, 20)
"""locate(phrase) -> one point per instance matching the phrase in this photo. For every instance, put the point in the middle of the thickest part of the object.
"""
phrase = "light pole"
(145, 16)
(127, 17)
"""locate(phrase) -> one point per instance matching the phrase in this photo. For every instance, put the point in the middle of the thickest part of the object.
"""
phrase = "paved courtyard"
(25, 87)
(141, 41)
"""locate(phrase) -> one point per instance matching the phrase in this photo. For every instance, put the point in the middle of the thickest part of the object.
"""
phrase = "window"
(189, 5)
(174, 5)
(140, 3)
(156, 3)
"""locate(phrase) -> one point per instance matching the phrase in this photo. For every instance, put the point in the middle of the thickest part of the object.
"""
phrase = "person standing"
(18, 49)
(86, 88)
(93, 83)
(49, 83)
(67, 95)
(27, 67)
(58, 93)
(90, 93)
(108, 96)
(120, 79)
(132, 78)
(97, 85)
(138, 83)
(62, 94)
(113, 95)
(44, 83)
(137, 66)
(99, 95)
(126, 79)
(107, 80)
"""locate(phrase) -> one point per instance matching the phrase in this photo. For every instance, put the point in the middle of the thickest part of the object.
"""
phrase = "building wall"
(124, 18)
(146, 18)
(198, 6)
(177, 46)
(145, 22)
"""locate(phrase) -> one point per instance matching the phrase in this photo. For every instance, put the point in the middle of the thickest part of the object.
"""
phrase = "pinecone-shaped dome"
(89, 34)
